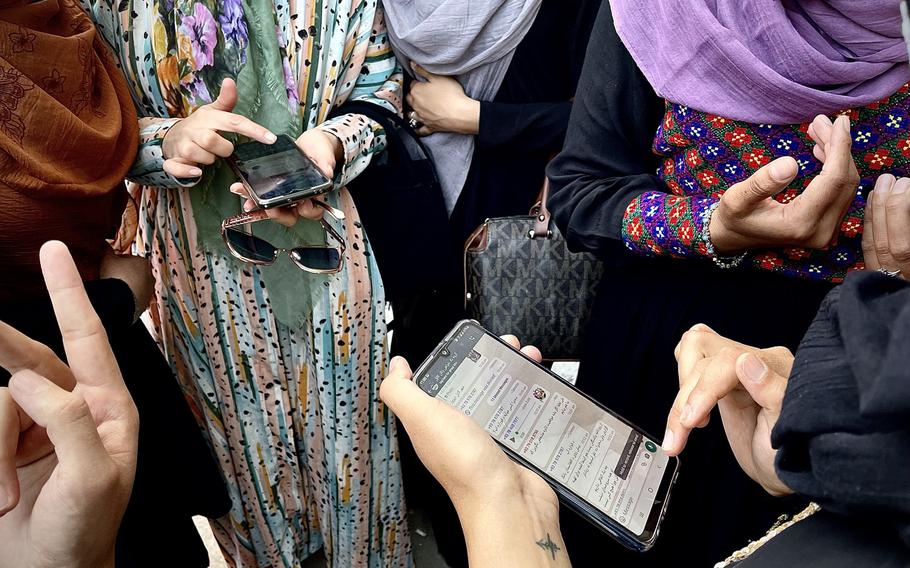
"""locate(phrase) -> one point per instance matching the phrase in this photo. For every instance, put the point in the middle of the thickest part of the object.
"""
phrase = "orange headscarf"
(68, 136)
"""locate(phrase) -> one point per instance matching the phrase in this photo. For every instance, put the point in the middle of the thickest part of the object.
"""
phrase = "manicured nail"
(901, 186)
(195, 172)
(248, 206)
(668, 440)
(754, 368)
(270, 138)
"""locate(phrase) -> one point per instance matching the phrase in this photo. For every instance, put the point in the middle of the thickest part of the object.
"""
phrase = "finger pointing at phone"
(196, 140)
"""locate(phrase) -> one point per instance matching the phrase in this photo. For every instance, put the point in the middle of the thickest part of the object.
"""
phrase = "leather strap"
(541, 214)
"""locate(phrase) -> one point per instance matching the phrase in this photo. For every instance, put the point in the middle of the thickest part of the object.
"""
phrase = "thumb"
(766, 387)
(768, 181)
(398, 391)
(227, 97)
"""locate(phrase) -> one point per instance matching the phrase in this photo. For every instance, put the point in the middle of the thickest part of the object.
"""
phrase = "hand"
(886, 231)
(747, 384)
(196, 140)
(504, 508)
(136, 272)
(440, 104)
(326, 151)
(747, 216)
(63, 507)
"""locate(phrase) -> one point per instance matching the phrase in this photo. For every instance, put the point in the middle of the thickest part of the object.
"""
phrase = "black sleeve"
(607, 159)
(112, 300)
(529, 127)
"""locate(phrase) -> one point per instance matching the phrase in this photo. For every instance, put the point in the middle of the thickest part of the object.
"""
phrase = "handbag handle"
(541, 213)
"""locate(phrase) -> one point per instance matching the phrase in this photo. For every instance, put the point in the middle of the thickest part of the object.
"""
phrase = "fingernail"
(195, 172)
(686, 414)
(901, 186)
(754, 368)
(4, 498)
(270, 138)
(782, 169)
(884, 183)
(668, 440)
(26, 382)
(247, 206)
(844, 122)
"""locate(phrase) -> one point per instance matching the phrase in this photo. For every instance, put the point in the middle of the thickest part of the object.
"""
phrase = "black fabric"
(644, 305)
(607, 159)
(844, 428)
(400, 204)
(176, 475)
(826, 540)
(526, 122)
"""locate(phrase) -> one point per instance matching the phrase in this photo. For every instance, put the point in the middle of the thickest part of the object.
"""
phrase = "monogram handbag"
(521, 278)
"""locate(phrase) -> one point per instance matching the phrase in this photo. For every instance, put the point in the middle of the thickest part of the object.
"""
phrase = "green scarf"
(262, 97)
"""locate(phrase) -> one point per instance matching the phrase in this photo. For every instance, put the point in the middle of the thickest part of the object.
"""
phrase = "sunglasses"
(236, 231)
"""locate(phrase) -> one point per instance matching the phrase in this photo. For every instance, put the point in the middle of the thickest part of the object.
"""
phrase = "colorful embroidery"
(704, 154)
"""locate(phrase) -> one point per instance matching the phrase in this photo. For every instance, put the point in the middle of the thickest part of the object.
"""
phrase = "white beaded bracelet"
(720, 261)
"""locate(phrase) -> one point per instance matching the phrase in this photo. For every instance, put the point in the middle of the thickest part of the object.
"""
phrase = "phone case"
(567, 496)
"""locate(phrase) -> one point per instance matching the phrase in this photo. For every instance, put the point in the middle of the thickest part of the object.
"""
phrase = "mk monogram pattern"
(533, 288)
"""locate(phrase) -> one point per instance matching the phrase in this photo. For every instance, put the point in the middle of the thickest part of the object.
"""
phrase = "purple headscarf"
(766, 61)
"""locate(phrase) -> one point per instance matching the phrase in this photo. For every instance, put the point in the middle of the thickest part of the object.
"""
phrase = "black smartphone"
(277, 174)
(599, 464)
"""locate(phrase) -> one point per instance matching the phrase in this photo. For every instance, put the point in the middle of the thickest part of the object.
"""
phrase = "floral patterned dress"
(280, 366)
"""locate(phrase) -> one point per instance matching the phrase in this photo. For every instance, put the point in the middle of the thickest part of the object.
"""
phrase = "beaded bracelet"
(720, 261)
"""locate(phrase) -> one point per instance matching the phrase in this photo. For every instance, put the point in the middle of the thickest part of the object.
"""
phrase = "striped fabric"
(292, 412)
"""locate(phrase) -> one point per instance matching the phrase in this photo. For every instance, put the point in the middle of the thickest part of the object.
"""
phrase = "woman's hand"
(196, 141)
(747, 385)
(886, 231)
(505, 509)
(326, 151)
(440, 104)
(747, 216)
(62, 507)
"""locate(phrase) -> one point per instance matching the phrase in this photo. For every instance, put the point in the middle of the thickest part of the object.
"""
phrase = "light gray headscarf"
(471, 40)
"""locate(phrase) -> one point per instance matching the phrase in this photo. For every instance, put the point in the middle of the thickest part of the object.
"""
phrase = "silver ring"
(413, 123)
(886, 272)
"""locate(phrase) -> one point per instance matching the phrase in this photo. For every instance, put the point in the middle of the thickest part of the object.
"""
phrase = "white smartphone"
(606, 469)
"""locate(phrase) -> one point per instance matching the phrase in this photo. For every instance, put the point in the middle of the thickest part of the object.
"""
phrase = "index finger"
(230, 122)
(85, 341)
(19, 352)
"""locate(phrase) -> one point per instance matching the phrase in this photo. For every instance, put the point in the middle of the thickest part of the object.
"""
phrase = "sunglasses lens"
(317, 258)
(250, 247)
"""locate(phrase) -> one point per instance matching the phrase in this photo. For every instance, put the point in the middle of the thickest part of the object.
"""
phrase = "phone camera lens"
(444, 352)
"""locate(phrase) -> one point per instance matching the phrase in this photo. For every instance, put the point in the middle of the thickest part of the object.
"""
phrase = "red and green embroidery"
(704, 154)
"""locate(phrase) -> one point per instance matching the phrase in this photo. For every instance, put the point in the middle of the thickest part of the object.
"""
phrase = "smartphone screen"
(278, 173)
(602, 466)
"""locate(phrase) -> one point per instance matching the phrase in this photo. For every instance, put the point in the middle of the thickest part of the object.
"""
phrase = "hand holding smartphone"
(279, 174)
(599, 464)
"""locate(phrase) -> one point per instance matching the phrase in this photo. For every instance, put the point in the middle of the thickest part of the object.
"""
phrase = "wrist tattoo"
(548, 545)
